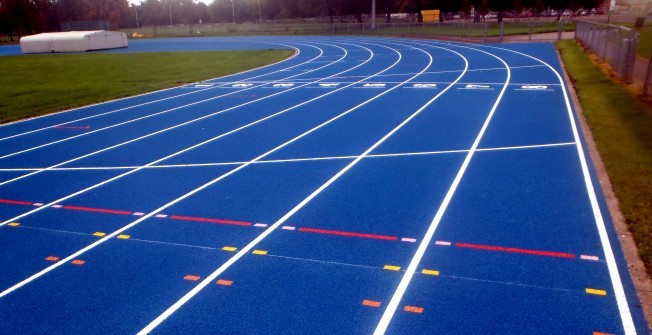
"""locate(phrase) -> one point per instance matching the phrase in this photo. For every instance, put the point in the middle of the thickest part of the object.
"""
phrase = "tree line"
(20, 17)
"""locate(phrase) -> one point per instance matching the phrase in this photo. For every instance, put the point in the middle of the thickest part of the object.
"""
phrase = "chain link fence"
(614, 44)
(467, 31)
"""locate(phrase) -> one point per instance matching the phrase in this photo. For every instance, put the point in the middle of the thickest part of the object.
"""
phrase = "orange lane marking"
(78, 262)
(413, 309)
(52, 258)
(370, 303)
(599, 333)
(224, 282)
(191, 278)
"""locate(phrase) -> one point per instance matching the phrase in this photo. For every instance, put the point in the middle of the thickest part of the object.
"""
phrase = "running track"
(362, 186)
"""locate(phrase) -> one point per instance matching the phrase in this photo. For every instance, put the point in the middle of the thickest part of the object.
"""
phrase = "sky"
(208, 2)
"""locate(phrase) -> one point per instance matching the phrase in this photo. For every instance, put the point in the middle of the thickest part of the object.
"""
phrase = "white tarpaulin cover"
(73, 41)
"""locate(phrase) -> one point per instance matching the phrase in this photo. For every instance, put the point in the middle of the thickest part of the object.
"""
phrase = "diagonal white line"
(151, 326)
(292, 160)
(392, 306)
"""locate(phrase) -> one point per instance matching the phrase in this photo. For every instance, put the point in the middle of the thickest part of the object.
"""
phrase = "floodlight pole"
(373, 14)
(136, 9)
(233, 12)
(170, 10)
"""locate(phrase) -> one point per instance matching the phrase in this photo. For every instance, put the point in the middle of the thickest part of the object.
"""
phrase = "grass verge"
(40, 84)
(621, 125)
(645, 41)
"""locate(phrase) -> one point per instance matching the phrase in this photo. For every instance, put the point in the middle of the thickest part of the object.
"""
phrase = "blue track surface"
(364, 185)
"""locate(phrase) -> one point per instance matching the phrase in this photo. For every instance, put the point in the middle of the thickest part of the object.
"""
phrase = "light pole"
(373, 14)
(260, 15)
(170, 11)
(136, 9)
(233, 12)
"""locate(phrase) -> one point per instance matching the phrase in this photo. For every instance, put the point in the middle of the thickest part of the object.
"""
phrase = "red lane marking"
(370, 303)
(413, 309)
(224, 282)
(346, 233)
(15, 202)
(515, 250)
(191, 278)
(72, 127)
(97, 210)
(220, 221)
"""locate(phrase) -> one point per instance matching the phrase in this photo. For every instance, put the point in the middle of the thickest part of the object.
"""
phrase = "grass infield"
(621, 125)
(40, 84)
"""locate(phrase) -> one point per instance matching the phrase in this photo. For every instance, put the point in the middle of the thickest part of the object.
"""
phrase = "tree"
(18, 17)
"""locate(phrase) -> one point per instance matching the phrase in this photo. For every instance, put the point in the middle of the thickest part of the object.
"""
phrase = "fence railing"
(614, 44)
(618, 46)
(479, 32)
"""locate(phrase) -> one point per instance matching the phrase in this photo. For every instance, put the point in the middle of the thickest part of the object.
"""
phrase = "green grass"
(645, 41)
(621, 125)
(34, 85)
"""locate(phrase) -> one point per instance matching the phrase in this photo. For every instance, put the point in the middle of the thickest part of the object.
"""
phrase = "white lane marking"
(476, 87)
(427, 85)
(268, 231)
(167, 205)
(381, 328)
(534, 87)
(169, 128)
(293, 160)
(297, 52)
(614, 274)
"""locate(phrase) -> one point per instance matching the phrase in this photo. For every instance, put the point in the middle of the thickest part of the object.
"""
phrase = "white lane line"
(381, 328)
(169, 128)
(614, 274)
(155, 114)
(169, 156)
(297, 52)
(169, 204)
(278, 223)
(293, 160)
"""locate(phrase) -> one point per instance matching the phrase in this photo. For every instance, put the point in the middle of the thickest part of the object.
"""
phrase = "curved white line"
(175, 126)
(158, 113)
(297, 52)
(158, 210)
(614, 274)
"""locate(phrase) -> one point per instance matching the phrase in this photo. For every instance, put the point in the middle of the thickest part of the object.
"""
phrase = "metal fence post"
(648, 74)
(502, 31)
(559, 29)
(630, 59)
